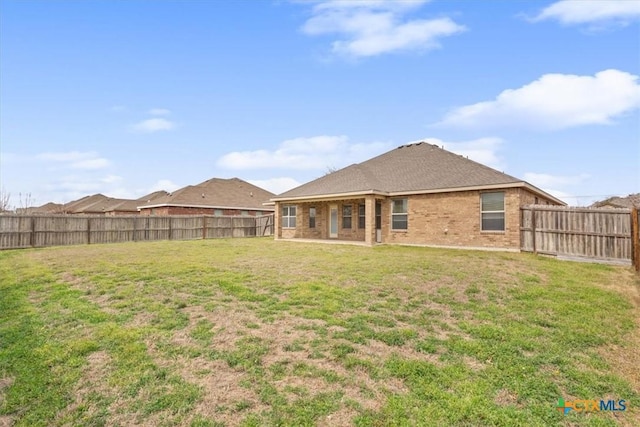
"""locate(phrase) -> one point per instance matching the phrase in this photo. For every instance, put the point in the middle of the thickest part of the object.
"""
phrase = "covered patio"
(349, 219)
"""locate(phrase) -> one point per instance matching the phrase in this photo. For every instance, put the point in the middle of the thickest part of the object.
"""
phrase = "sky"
(128, 97)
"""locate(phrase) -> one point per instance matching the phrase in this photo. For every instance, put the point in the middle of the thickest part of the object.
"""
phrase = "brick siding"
(445, 219)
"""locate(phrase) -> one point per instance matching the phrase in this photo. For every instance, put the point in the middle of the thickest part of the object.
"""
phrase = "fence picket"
(22, 231)
(594, 233)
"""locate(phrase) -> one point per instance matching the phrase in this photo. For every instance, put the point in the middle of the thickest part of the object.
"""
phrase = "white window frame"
(487, 212)
(362, 216)
(289, 220)
(404, 201)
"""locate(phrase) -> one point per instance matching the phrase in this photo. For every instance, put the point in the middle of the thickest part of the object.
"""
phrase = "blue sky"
(127, 97)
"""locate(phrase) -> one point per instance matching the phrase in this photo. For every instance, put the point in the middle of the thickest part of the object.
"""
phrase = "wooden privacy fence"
(18, 231)
(598, 234)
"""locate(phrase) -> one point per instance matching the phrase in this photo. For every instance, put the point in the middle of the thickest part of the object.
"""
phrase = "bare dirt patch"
(222, 390)
(506, 398)
(376, 351)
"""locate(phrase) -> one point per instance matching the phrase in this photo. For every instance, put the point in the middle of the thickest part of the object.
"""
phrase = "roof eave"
(518, 184)
(181, 205)
(332, 196)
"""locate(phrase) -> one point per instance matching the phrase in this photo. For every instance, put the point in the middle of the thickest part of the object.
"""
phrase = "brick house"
(97, 204)
(216, 196)
(130, 207)
(415, 194)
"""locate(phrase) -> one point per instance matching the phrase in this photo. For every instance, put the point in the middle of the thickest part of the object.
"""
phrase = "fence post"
(89, 231)
(533, 229)
(204, 227)
(135, 229)
(635, 239)
(32, 237)
(170, 228)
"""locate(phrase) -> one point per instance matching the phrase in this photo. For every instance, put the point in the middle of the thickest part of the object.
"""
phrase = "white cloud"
(481, 150)
(370, 28)
(276, 185)
(75, 186)
(89, 160)
(571, 12)
(153, 125)
(318, 152)
(163, 184)
(555, 101)
(159, 112)
(112, 179)
(91, 164)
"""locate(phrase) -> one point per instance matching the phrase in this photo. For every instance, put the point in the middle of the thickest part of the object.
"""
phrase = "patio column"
(370, 219)
(276, 222)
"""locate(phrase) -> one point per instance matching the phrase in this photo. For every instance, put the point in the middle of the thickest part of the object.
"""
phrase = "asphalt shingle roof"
(414, 167)
(125, 205)
(630, 201)
(86, 204)
(216, 192)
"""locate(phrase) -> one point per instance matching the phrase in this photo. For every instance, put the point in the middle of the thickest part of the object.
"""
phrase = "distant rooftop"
(216, 193)
(619, 202)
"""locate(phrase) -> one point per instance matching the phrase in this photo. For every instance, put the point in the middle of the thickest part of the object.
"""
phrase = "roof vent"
(203, 195)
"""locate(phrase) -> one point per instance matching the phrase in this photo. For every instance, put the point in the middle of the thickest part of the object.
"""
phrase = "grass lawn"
(254, 332)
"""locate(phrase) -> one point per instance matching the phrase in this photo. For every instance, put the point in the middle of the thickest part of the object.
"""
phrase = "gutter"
(520, 184)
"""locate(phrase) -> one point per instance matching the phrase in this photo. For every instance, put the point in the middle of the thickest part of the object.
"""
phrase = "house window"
(346, 216)
(361, 216)
(492, 211)
(288, 217)
(244, 213)
(217, 212)
(399, 217)
(312, 217)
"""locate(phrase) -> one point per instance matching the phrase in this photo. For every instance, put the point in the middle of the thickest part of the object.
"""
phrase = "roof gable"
(85, 204)
(408, 168)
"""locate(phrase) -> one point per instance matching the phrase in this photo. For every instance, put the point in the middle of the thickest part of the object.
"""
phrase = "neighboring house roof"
(619, 202)
(127, 205)
(409, 169)
(47, 208)
(87, 204)
(231, 193)
(96, 203)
